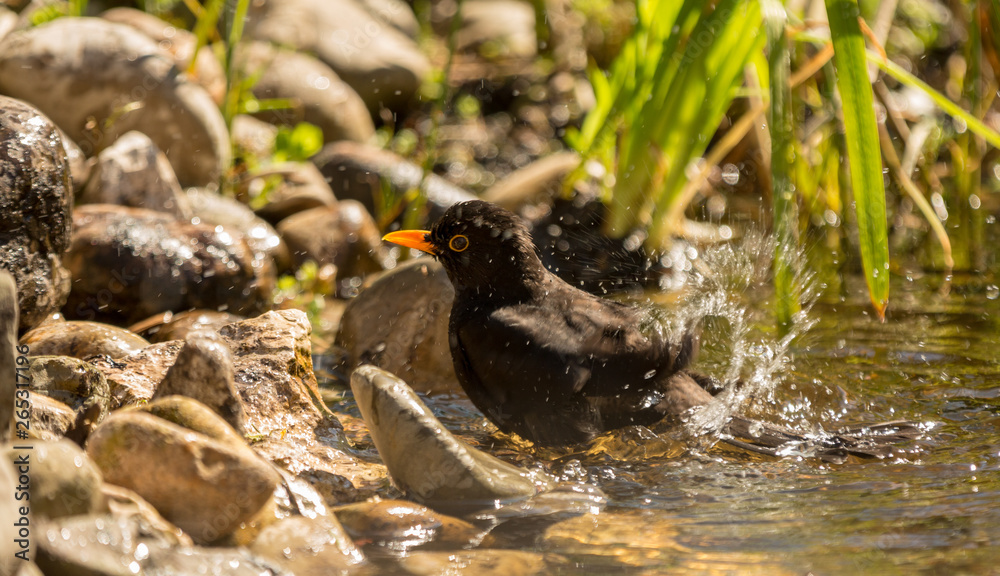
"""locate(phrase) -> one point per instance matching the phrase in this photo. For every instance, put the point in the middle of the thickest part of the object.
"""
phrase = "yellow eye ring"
(458, 243)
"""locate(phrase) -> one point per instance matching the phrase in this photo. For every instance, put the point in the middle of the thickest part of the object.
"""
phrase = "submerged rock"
(384, 66)
(64, 481)
(398, 526)
(359, 172)
(80, 60)
(400, 324)
(194, 469)
(448, 474)
(131, 263)
(35, 201)
(317, 94)
(76, 384)
(203, 371)
(478, 562)
(82, 339)
(134, 172)
(308, 546)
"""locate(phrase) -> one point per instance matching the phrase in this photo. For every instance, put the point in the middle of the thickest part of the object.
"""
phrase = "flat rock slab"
(427, 461)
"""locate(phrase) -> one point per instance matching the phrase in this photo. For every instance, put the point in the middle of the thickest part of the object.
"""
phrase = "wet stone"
(123, 503)
(205, 485)
(203, 371)
(64, 481)
(131, 263)
(398, 526)
(93, 545)
(228, 561)
(400, 324)
(50, 419)
(449, 475)
(134, 172)
(359, 171)
(476, 562)
(169, 326)
(133, 380)
(308, 546)
(302, 187)
(83, 339)
(320, 97)
(78, 385)
(79, 60)
(343, 235)
(384, 66)
(214, 209)
(35, 201)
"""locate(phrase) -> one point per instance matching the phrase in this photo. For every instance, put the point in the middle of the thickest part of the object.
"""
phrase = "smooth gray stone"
(427, 461)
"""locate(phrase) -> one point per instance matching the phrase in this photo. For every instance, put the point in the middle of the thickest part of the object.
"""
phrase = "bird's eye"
(458, 242)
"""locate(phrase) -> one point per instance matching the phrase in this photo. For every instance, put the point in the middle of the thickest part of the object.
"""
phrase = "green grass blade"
(863, 151)
(783, 199)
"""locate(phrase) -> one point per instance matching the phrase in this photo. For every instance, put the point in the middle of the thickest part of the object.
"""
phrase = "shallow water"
(675, 509)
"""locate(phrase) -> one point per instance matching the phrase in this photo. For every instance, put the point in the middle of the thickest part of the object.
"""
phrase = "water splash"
(756, 361)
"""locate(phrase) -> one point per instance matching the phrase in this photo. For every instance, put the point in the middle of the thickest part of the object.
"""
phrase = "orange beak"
(412, 239)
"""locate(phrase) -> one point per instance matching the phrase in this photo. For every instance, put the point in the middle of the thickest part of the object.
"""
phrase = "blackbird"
(557, 365)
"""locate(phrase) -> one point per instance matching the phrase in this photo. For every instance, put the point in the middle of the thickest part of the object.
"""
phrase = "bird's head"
(482, 247)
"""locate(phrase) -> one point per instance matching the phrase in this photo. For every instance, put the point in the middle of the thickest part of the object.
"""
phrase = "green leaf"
(862, 146)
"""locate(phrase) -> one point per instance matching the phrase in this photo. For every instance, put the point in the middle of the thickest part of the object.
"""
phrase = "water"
(678, 507)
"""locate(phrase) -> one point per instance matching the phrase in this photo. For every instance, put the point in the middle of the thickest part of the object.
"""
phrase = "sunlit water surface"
(677, 507)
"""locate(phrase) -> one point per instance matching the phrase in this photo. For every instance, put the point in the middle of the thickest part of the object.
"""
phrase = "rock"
(344, 235)
(180, 44)
(357, 171)
(397, 526)
(169, 326)
(308, 546)
(252, 136)
(132, 380)
(542, 179)
(8, 348)
(333, 488)
(292, 427)
(51, 420)
(449, 474)
(384, 66)
(478, 562)
(123, 503)
(396, 13)
(498, 29)
(79, 60)
(133, 172)
(14, 539)
(8, 21)
(204, 371)
(95, 545)
(35, 200)
(615, 535)
(64, 482)
(79, 165)
(131, 263)
(204, 485)
(302, 187)
(76, 384)
(227, 561)
(400, 324)
(317, 94)
(214, 209)
(82, 339)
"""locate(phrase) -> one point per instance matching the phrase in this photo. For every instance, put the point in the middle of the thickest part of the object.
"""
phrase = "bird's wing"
(563, 348)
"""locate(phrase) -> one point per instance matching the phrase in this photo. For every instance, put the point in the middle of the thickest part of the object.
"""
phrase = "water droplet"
(992, 292)
(756, 429)
(650, 374)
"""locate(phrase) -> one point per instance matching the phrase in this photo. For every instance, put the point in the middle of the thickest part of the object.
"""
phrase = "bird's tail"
(863, 440)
